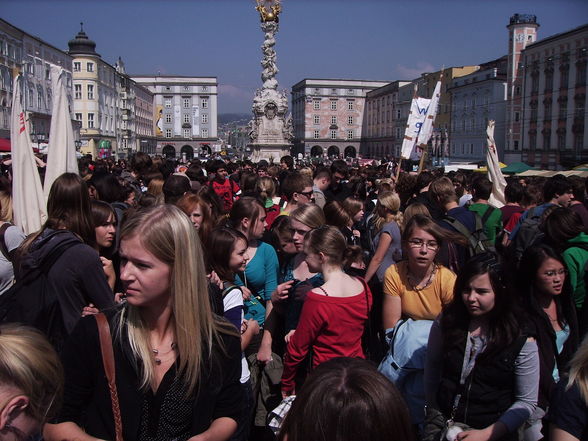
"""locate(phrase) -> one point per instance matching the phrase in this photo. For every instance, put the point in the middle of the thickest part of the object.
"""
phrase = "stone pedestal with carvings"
(271, 127)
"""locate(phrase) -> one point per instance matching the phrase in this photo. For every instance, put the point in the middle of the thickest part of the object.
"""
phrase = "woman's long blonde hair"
(579, 370)
(167, 233)
(388, 202)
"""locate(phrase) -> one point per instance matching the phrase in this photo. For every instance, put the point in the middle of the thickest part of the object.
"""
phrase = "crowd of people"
(198, 301)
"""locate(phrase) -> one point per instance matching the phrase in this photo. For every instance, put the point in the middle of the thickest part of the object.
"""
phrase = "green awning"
(104, 144)
(517, 167)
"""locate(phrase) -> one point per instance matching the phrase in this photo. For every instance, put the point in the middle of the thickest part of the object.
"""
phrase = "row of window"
(187, 133)
(186, 88)
(316, 105)
(316, 119)
(77, 66)
(187, 118)
(333, 134)
(186, 103)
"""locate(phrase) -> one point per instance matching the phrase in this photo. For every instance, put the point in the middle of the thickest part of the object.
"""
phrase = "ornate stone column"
(271, 128)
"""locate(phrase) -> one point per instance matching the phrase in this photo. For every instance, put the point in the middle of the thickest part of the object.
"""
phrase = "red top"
(226, 191)
(329, 326)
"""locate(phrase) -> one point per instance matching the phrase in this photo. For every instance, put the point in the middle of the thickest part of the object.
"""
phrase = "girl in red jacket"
(334, 314)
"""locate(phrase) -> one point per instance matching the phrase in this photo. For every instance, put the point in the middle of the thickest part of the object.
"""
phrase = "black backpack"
(528, 235)
(32, 302)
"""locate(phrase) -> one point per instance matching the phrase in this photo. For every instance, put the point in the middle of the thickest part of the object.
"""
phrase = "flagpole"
(414, 96)
(435, 102)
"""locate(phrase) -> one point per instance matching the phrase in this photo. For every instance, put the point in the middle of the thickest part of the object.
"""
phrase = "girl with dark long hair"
(482, 367)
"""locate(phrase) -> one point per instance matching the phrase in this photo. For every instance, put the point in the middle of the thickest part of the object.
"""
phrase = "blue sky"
(359, 39)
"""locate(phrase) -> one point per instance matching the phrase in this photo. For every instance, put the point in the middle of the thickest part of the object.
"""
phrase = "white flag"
(416, 118)
(27, 193)
(494, 173)
(427, 128)
(61, 152)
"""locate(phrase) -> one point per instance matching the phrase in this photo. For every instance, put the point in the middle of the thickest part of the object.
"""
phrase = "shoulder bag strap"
(108, 361)
(487, 214)
(3, 247)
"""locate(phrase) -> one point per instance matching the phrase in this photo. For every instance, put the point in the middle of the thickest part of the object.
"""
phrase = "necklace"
(157, 354)
(427, 283)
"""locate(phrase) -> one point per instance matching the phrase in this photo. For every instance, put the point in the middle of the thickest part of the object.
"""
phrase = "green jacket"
(575, 259)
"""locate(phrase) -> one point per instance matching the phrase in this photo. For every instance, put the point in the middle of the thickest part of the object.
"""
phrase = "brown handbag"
(108, 361)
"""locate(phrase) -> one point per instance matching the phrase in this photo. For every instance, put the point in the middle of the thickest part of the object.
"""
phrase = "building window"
(168, 133)
(350, 134)
(168, 118)
(350, 120)
(316, 134)
(333, 91)
(186, 102)
(517, 116)
(78, 91)
(547, 141)
(78, 116)
(90, 67)
(187, 88)
(204, 118)
(167, 102)
(186, 117)
(333, 120)
(90, 120)
(350, 91)
(333, 105)
(77, 66)
(204, 133)
(316, 105)
(186, 133)
(204, 88)
(317, 91)
(316, 119)
(561, 140)
(90, 91)
(333, 134)
(349, 105)
(516, 145)
(204, 103)
(398, 132)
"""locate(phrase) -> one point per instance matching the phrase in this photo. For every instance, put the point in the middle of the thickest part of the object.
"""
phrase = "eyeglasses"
(418, 243)
(553, 273)
(308, 194)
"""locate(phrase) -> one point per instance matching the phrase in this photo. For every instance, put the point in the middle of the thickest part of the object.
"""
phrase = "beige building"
(95, 97)
(328, 116)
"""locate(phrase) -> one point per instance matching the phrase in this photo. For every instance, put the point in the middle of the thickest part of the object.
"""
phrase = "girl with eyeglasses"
(546, 296)
(415, 291)
(417, 287)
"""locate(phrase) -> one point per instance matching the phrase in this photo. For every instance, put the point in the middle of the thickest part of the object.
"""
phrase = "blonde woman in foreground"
(177, 366)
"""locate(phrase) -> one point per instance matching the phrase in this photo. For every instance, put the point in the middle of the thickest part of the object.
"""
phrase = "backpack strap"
(487, 214)
(460, 227)
(228, 287)
(3, 247)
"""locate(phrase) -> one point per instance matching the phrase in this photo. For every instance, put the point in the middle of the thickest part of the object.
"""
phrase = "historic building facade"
(328, 116)
(95, 98)
(553, 118)
(185, 114)
(475, 99)
(33, 57)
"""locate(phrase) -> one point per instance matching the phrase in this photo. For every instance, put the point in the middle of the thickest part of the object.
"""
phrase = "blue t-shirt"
(261, 277)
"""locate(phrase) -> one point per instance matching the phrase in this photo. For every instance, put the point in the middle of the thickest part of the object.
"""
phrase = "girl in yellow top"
(417, 288)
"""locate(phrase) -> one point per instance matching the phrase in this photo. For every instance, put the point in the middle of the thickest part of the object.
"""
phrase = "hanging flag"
(427, 127)
(416, 119)
(27, 194)
(61, 155)
(494, 173)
